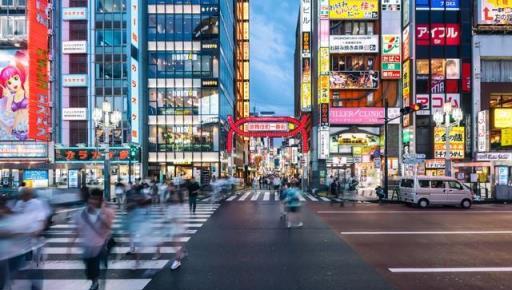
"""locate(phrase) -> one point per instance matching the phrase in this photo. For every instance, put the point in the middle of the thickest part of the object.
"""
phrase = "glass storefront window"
(184, 138)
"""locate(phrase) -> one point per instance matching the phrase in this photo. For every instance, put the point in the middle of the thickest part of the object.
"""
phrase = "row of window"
(352, 62)
(181, 27)
(441, 184)
(184, 138)
(352, 28)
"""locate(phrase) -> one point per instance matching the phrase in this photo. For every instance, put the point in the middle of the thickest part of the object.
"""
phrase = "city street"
(243, 244)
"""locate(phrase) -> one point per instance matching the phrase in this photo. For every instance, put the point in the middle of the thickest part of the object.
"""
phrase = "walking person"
(193, 192)
(94, 229)
(176, 228)
(120, 191)
(293, 205)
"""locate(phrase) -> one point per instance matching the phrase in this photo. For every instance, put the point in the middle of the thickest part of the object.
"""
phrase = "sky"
(272, 38)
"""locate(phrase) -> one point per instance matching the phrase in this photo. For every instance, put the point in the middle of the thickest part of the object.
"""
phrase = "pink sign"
(356, 116)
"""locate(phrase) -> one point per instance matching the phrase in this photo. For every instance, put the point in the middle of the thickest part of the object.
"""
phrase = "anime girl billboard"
(13, 95)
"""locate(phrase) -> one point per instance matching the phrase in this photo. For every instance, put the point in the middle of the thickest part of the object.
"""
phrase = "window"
(352, 28)
(407, 183)
(78, 63)
(109, 6)
(78, 3)
(437, 184)
(77, 97)
(455, 185)
(77, 132)
(78, 30)
(424, 183)
(12, 27)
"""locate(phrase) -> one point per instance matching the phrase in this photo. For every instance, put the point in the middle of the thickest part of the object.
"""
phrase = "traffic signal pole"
(386, 122)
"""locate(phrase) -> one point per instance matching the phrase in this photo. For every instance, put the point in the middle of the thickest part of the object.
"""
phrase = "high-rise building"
(92, 57)
(347, 63)
(191, 86)
(25, 119)
(491, 85)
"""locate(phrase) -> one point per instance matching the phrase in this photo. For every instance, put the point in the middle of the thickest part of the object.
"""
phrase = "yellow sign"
(305, 96)
(324, 60)
(353, 9)
(502, 118)
(506, 137)
(457, 142)
(323, 90)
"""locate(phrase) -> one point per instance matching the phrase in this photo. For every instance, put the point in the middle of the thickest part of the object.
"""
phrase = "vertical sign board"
(39, 122)
(305, 19)
(135, 72)
(323, 144)
(483, 142)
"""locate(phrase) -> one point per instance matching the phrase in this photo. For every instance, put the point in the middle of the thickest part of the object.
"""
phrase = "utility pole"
(386, 122)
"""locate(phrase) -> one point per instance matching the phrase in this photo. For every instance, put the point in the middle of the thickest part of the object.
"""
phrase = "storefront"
(496, 171)
(84, 166)
(24, 162)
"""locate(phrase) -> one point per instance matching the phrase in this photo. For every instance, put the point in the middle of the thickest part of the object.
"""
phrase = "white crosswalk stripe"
(61, 256)
(265, 195)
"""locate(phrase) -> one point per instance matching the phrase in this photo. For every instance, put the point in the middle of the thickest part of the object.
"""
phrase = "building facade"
(25, 119)
(348, 61)
(491, 99)
(93, 54)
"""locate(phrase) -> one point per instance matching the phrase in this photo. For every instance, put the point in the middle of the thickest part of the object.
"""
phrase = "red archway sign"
(271, 127)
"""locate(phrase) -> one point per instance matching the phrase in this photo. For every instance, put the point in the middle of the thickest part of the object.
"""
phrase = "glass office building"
(190, 86)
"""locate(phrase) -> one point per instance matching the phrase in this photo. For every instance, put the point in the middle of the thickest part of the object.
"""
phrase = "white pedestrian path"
(271, 196)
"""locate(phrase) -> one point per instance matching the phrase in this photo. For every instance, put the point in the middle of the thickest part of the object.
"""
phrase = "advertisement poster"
(452, 68)
(324, 60)
(457, 141)
(354, 44)
(39, 113)
(305, 97)
(391, 60)
(323, 97)
(495, 12)
(506, 137)
(438, 34)
(483, 141)
(306, 70)
(306, 43)
(363, 116)
(353, 9)
(14, 95)
(406, 46)
(355, 80)
(502, 118)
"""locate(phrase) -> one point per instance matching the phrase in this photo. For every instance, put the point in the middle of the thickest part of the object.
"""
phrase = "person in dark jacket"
(193, 192)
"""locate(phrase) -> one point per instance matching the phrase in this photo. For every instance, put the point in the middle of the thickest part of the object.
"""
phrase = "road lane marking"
(410, 211)
(124, 239)
(430, 233)
(82, 284)
(276, 196)
(311, 197)
(255, 196)
(245, 196)
(450, 270)
(115, 250)
(266, 196)
(115, 264)
(231, 198)
(301, 198)
(324, 198)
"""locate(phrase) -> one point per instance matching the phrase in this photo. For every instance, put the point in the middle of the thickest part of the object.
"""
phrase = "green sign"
(391, 66)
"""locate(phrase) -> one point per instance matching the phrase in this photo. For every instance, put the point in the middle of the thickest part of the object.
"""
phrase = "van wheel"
(423, 203)
(466, 203)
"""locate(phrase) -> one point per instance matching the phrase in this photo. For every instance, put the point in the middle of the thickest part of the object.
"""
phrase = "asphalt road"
(245, 246)
(438, 248)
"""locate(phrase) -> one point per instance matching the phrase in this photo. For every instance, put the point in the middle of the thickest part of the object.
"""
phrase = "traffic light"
(411, 108)
(133, 152)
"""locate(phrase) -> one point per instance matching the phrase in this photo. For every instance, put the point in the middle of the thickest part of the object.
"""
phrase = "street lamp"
(444, 118)
(107, 120)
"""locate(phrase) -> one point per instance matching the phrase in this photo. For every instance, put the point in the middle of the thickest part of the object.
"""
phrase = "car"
(424, 191)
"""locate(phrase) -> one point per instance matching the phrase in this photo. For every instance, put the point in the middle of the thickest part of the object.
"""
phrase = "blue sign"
(35, 175)
(437, 4)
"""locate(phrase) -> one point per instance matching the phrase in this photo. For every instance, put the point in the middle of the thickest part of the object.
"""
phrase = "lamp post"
(107, 120)
(444, 118)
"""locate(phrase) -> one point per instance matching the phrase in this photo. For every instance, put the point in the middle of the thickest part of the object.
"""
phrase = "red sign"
(324, 115)
(466, 77)
(438, 34)
(38, 99)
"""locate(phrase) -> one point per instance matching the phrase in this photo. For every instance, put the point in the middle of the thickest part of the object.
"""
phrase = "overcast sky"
(273, 26)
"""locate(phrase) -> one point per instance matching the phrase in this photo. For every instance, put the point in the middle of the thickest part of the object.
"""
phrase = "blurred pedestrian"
(176, 228)
(293, 206)
(193, 192)
(94, 230)
(120, 191)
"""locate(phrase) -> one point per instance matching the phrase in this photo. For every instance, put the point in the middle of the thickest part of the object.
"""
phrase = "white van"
(435, 190)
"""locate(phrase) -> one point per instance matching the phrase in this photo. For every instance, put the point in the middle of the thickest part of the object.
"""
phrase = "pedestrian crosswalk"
(62, 267)
(269, 195)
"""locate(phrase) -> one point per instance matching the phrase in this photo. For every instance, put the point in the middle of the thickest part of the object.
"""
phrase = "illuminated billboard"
(354, 80)
(438, 34)
(354, 44)
(456, 139)
(494, 12)
(353, 9)
(39, 115)
(14, 98)
(437, 4)
(391, 63)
